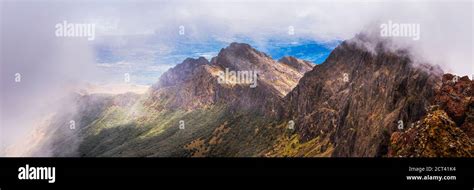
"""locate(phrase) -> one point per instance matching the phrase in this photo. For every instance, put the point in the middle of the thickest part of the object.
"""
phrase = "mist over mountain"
(358, 103)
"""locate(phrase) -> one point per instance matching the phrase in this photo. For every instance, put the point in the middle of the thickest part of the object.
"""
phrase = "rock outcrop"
(195, 82)
(436, 135)
(456, 97)
(357, 96)
(448, 130)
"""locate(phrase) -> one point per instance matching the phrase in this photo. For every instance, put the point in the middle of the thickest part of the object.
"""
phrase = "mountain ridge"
(349, 106)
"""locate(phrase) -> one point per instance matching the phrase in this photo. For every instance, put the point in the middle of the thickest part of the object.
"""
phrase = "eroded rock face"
(357, 96)
(455, 97)
(241, 57)
(197, 89)
(436, 135)
(180, 73)
(468, 124)
(194, 83)
(447, 131)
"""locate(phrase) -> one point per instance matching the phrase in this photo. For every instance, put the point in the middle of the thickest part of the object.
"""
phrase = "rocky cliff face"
(279, 78)
(455, 97)
(187, 88)
(436, 135)
(356, 98)
(447, 130)
(180, 73)
(195, 82)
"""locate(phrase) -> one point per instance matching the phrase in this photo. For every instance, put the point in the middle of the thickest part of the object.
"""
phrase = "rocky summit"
(363, 101)
(355, 99)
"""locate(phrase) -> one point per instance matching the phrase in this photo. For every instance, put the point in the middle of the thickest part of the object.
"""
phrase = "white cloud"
(446, 26)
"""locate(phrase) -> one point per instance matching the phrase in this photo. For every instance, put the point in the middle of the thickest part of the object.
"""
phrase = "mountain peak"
(195, 62)
(180, 72)
(239, 47)
(357, 97)
(194, 82)
(241, 56)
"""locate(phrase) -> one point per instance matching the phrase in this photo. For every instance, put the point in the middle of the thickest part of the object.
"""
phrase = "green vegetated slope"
(218, 130)
(219, 119)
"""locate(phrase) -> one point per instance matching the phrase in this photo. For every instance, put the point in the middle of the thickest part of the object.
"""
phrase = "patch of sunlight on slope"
(111, 117)
(161, 120)
(162, 136)
(290, 145)
(192, 119)
(114, 116)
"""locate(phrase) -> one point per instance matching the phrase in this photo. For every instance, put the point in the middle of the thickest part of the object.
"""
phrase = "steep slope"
(456, 97)
(355, 99)
(436, 135)
(180, 73)
(61, 133)
(447, 130)
(242, 57)
(195, 83)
